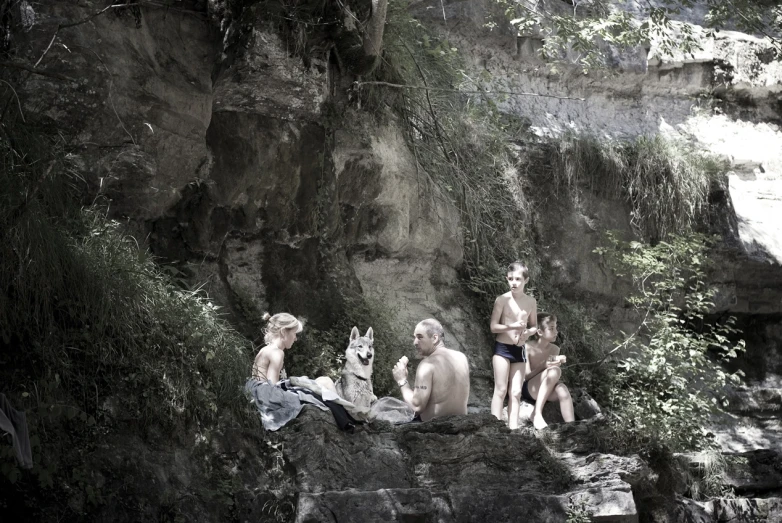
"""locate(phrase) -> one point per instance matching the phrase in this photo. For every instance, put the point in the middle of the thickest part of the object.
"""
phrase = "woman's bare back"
(268, 357)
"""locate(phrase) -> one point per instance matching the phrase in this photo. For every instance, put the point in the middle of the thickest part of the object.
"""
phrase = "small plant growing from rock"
(578, 511)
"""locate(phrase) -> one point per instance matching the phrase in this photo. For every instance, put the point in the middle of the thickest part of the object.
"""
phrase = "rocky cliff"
(246, 167)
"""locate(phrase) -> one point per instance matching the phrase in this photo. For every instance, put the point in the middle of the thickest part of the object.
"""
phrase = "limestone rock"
(755, 399)
(752, 422)
(759, 509)
(141, 104)
(378, 506)
(448, 470)
(756, 472)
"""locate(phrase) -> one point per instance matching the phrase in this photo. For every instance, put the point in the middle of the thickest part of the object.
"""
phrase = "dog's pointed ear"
(370, 335)
(354, 334)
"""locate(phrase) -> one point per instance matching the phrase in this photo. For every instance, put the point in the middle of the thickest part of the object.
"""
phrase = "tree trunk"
(373, 32)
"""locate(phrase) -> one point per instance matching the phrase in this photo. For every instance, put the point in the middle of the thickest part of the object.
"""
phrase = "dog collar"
(359, 377)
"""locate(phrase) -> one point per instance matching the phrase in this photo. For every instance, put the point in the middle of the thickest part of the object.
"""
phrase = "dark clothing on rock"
(344, 420)
(278, 404)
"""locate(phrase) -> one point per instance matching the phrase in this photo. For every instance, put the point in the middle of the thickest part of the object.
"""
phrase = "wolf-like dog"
(355, 383)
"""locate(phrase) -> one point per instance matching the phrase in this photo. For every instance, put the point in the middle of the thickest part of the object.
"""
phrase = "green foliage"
(92, 300)
(706, 478)
(91, 327)
(576, 37)
(665, 182)
(669, 375)
(581, 35)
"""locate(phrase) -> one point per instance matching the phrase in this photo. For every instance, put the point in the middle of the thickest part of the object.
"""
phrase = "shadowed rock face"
(224, 158)
(458, 468)
(232, 164)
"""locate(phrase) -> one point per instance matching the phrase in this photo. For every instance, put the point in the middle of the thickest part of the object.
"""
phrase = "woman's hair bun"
(266, 316)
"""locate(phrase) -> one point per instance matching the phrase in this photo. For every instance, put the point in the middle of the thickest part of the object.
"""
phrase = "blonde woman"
(276, 405)
(279, 335)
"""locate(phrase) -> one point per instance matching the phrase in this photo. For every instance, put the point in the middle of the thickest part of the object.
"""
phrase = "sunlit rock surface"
(725, 99)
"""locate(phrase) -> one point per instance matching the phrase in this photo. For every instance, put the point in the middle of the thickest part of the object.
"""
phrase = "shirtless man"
(513, 319)
(442, 381)
(543, 373)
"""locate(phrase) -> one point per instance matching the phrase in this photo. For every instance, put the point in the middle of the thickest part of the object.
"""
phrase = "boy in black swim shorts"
(513, 320)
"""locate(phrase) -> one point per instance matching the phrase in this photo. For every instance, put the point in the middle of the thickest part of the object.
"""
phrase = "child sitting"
(543, 373)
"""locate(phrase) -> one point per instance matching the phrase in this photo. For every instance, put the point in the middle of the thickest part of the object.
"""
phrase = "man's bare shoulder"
(443, 354)
(453, 358)
(458, 355)
(426, 366)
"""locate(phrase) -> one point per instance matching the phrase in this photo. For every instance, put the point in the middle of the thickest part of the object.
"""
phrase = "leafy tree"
(669, 377)
(579, 32)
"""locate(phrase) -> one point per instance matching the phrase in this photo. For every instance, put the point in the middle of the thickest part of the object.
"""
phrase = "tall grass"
(666, 182)
(80, 299)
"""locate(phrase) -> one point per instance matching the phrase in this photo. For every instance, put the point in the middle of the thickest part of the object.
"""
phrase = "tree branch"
(21, 114)
(460, 91)
(25, 67)
(429, 102)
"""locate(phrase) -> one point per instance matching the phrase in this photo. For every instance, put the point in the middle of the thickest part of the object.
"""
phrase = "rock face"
(224, 159)
(646, 97)
(224, 156)
(459, 468)
(222, 153)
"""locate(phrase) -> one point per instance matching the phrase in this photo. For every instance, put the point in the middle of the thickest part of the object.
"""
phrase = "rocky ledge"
(458, 468)
(473, 468)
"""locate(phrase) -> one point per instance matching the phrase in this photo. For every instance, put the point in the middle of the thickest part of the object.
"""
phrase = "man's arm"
(418, 397)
